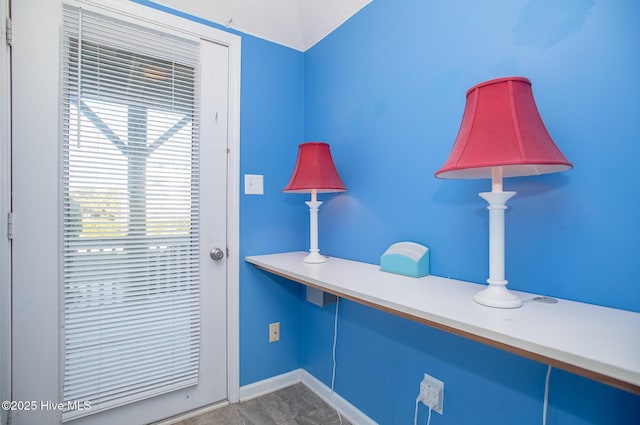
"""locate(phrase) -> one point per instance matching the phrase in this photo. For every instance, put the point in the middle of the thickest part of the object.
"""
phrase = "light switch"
(253, 184)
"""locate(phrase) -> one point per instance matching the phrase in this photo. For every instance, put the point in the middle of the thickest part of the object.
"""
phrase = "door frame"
(173, 20)
(5, 209)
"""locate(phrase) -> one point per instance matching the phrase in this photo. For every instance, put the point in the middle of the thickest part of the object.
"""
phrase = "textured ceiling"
(298, 24)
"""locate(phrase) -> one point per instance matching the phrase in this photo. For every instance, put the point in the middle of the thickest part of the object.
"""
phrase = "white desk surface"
(597, 342)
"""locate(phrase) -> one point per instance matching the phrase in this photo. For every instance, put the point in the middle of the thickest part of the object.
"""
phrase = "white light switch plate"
(253, 184)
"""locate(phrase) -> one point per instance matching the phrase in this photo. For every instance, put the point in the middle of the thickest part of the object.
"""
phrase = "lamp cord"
(545, 404)
(415, 413)
(333, 372)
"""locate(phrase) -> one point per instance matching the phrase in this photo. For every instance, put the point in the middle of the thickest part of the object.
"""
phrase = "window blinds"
(131, 214)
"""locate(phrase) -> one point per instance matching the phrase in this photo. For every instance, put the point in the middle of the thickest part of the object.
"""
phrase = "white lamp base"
(315, 258)
(497, 295)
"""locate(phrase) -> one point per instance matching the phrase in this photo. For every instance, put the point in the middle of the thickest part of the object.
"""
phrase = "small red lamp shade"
(314, 170)
(501, 127)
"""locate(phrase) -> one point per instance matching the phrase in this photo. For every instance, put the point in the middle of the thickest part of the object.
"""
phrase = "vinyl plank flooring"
(294, 405)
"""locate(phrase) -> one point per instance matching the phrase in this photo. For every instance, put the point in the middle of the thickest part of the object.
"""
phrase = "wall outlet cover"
(274, 332)
(253, 184)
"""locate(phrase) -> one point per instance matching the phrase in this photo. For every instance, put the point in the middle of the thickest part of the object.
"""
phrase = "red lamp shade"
(501, 127)
(314, 170)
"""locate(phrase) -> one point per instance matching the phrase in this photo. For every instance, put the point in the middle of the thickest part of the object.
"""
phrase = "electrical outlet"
(274, 332)
(432, 393)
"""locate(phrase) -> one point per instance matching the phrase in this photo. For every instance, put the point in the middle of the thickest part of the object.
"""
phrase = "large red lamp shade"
(501, 135)
(501, 126)
(314, 172)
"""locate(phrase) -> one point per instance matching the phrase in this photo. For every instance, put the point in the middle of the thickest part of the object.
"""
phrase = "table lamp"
(314, 173)
(501, 135)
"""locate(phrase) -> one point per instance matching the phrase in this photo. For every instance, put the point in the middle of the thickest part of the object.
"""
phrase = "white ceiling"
(298, 24)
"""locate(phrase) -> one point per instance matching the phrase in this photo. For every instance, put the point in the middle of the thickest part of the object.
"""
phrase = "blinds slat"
(114, 337)
(111, 318)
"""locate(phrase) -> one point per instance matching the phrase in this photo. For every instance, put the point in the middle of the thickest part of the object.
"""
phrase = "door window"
(131, 213)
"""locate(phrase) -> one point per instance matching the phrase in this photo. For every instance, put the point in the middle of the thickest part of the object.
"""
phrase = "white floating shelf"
(597, 342)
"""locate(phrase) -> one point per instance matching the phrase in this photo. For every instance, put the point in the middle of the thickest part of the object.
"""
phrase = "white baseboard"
(346, 409)
(269, 385)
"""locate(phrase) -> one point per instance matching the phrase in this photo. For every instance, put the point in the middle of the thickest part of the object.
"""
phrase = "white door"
(66, 216)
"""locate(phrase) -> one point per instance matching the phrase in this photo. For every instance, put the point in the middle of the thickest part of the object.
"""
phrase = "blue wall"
(272, 117)
(387, 90)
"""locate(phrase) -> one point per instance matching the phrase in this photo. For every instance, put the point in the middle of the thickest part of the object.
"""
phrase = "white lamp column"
(314, 256)
(497, 294)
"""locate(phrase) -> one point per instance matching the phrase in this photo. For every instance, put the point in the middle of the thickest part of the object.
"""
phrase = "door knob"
(216, 254)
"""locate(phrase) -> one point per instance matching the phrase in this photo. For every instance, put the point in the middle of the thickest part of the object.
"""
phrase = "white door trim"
(5, 209)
